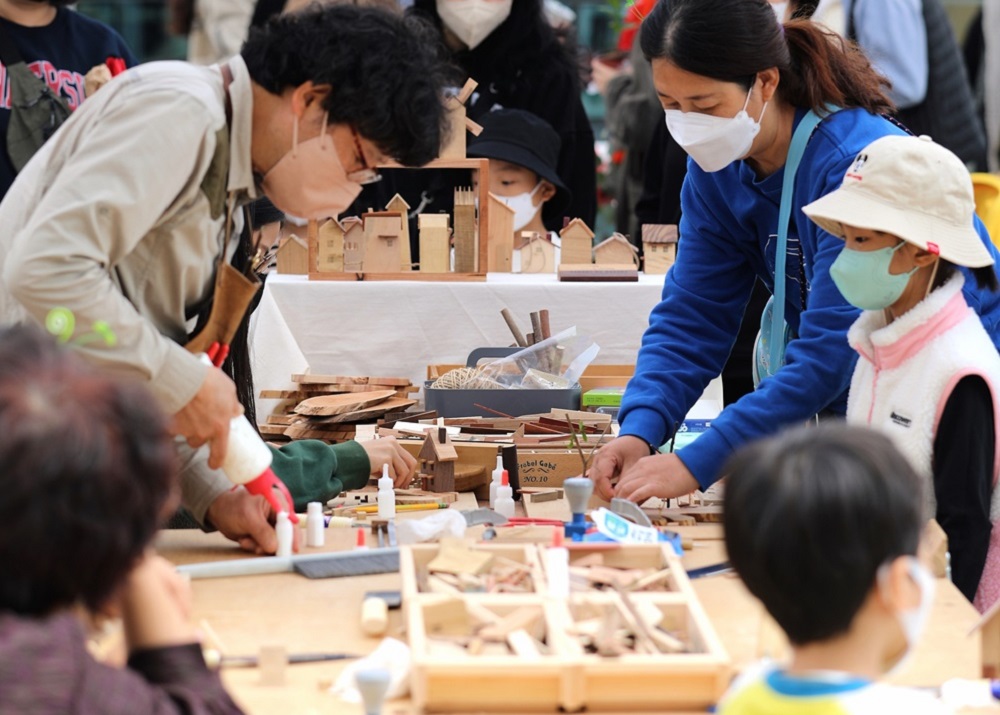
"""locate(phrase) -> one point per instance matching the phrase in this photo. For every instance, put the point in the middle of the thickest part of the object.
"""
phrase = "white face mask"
(472, 21)
(714, 142)
(913, 620)
(524, 210)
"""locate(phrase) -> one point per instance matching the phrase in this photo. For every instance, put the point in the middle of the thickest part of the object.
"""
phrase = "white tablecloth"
(399, 327)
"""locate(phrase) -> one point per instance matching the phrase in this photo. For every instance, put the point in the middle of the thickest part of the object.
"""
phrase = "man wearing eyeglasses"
(129, 212)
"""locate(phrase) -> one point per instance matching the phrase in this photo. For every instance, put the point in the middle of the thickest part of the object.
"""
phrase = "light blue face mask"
(863, 277)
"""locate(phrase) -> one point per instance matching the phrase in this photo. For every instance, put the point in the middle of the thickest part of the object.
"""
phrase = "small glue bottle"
(386, 495)
(497, 476)
(283, 529)
(505, 497)
(315, 526)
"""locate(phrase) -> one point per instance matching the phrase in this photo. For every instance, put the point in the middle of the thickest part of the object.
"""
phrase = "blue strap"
(795, 151)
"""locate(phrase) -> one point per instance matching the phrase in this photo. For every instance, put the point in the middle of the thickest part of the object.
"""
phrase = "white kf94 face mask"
(524, 208)
(472, 21)
(714, 142)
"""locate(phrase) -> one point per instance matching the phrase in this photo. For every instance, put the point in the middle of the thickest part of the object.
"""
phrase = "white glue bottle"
(248, 463)
(505, 497)
(497, 476)
(557, 566)
(315, 526)
(386, 495)
(283, 528)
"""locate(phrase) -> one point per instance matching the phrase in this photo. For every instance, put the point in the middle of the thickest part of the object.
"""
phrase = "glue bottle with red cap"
(248, 463)
(505, 497)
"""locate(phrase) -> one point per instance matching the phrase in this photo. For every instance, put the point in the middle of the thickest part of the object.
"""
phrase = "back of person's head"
(88, 468)
(523, 45)
(811, 515)
(733, 40)
(385, 71)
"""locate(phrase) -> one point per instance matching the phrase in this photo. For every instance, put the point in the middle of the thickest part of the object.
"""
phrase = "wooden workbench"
(322, 616)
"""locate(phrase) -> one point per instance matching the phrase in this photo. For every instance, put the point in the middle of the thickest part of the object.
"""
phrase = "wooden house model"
(538, 253)
(293, 256)
(435, 243)
(397, 205)
(437, 459)
(330, 247)
(659, 247)
(577, 243)
(354, 244)
(616, 250)
(383, 242)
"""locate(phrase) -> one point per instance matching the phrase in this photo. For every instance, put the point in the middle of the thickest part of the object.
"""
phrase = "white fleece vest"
(906, 372)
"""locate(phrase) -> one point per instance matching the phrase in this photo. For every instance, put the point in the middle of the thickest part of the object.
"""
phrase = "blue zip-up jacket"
(728, 230)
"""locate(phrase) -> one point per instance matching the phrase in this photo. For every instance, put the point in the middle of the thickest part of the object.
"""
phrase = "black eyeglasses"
(366, 174)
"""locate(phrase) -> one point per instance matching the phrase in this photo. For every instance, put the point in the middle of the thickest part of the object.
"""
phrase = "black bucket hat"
(527, 140)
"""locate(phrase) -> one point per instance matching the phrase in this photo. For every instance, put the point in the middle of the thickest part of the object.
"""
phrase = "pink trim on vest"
(899, 351)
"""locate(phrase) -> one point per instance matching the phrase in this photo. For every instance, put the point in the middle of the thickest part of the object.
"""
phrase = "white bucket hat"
(912, 188)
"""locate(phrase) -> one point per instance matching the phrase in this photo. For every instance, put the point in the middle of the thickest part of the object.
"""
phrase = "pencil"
(373, 508)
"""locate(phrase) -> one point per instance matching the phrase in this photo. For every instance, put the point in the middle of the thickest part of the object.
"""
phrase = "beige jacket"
(120, 218)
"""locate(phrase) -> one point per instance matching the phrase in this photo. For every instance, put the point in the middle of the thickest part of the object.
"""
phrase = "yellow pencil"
(373, 508)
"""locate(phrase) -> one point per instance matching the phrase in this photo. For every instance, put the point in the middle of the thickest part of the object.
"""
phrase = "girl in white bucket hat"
(928, 372)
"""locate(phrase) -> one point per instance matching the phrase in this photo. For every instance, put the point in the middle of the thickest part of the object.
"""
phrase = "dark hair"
(733, 40)
(985, 277)
(386, 76)
(88, 467)
(810, 516)
(509, 57)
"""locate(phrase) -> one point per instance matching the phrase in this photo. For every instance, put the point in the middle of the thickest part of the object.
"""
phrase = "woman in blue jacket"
(734, 84)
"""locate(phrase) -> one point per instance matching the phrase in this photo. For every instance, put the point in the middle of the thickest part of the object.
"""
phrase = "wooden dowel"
(536, 327)
(515, 331)
(543, 315)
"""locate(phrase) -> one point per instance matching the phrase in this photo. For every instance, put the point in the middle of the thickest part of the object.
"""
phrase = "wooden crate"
(447, 678)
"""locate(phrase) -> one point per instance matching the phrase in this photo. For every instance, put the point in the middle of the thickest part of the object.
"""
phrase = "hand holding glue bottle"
(248, 460)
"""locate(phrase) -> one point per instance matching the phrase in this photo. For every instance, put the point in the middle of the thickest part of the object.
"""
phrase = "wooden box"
(453, 671)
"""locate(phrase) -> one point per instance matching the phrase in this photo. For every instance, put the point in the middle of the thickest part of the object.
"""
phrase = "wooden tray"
(415, 558)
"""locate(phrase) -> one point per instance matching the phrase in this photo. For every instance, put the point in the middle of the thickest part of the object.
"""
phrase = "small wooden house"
(616, 250)
(577, 243)
(659, 247)
(437, 459)
(293, 256)
(501, 234)
(435, 243)
(330, 247)
(538, 254)
(383, 242)
(397, 204)
(354, 244)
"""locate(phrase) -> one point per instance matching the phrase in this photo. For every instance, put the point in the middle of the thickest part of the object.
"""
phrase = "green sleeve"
(316, 471)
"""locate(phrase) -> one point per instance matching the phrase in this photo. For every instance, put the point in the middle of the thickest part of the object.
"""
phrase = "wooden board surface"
(331, 405)
(311, 379)
(393, 403)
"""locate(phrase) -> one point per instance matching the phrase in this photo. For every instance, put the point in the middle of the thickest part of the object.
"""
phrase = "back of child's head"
(88, 468)
(811, 514)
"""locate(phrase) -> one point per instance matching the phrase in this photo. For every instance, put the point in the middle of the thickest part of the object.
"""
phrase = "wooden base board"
(598, 272)
(401, 276)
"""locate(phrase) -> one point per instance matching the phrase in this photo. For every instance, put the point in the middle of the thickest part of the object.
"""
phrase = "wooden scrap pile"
(462, 627)
(460, 569)
(328, 407)
(590, 573)
(624, 626)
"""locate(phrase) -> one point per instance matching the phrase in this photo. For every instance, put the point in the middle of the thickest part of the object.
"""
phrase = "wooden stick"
(543, 316)
(531, 339)
(493, 412)
(515, 331)
(579, 447)
(536, 327)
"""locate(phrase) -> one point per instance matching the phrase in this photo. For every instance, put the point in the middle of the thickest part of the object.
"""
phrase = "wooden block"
(598, 273)
(272, 662)
(308, 378)
(457, 557)
(393, 403)
(501, 236)
(330, 405)
(447, 618)
(527, 619)
(537, 496)
(523, 645)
